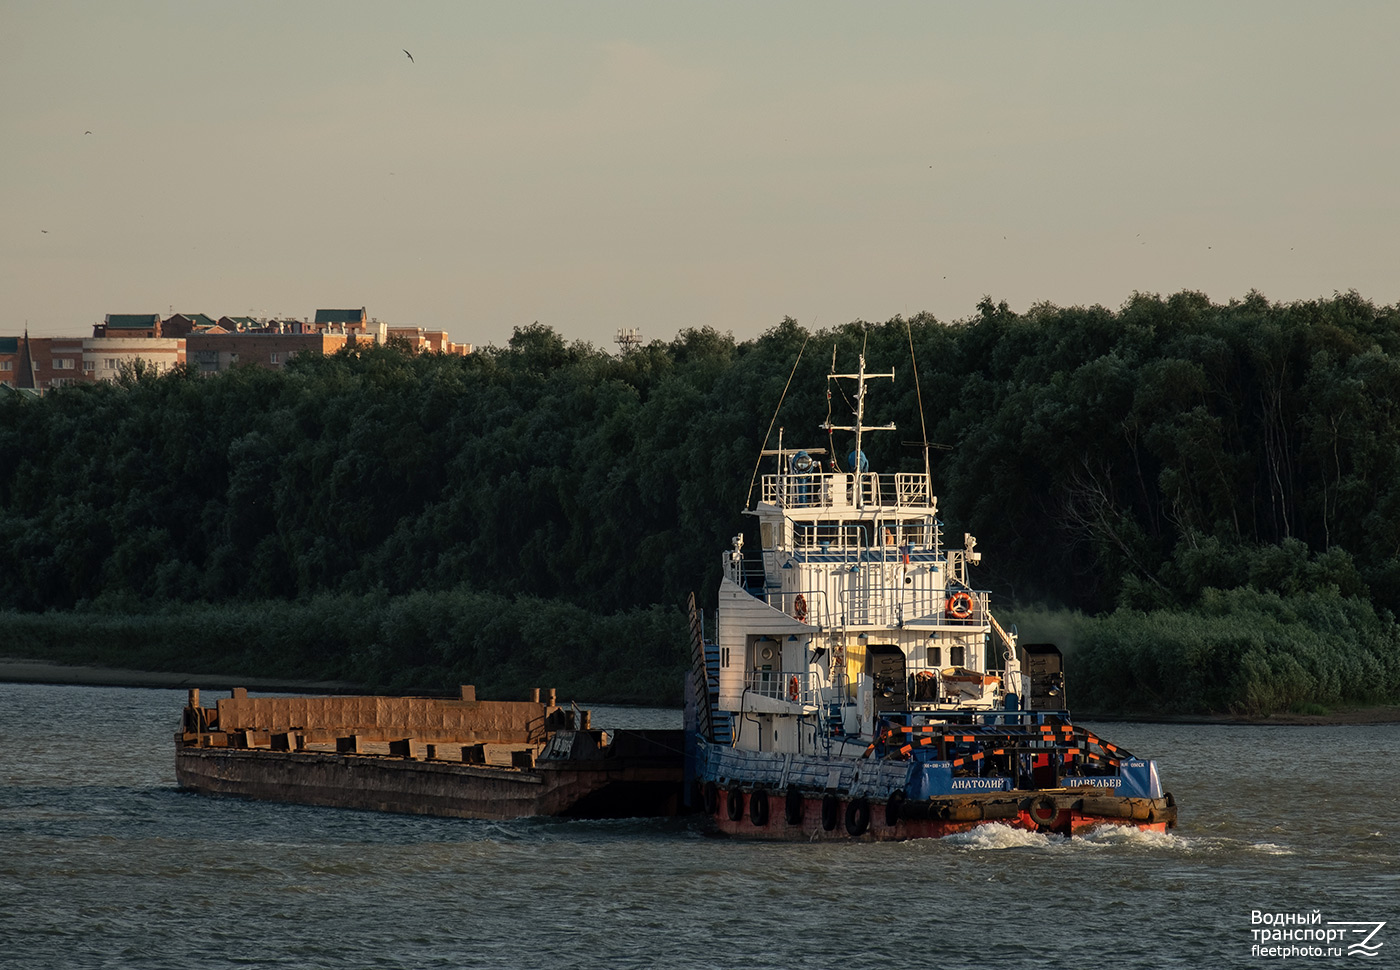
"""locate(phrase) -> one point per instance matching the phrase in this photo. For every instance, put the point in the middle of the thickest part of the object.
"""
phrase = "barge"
(858, 686)
(457, 757)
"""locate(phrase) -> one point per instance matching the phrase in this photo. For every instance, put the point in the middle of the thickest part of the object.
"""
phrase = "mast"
(860, 426)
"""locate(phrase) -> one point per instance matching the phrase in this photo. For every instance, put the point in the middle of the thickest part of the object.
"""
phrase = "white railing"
(838, 490)
(883, 541)
(806, 606)
(781, 685)
(882, 606)
(894, 606)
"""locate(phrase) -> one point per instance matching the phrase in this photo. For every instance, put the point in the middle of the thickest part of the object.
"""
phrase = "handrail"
(794, 686)
(838, 490)
(882, 606)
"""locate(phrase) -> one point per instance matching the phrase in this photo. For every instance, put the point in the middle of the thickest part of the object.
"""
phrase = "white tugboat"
(858, 685)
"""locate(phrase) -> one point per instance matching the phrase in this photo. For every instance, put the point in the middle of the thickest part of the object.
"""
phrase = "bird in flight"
(410, 56)
(87, 132)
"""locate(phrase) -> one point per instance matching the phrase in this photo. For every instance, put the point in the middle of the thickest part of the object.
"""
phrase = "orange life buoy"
(799, 608)
(960, 605)
(794, 689)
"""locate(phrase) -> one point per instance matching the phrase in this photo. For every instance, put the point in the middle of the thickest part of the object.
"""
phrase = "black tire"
(709, 795)
(857, 816)
(893, 808)
(830, 808)
(793, 804)
(734, 804)
(1044, 812)
(758, 808)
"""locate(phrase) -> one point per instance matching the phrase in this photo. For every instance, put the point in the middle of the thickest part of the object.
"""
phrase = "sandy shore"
(16, 671)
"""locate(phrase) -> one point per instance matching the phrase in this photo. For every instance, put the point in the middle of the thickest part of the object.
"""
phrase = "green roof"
(340, 316)
(132, 321)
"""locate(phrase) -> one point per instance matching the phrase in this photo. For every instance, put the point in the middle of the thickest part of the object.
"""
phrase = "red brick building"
(46, 362)
(213, 352)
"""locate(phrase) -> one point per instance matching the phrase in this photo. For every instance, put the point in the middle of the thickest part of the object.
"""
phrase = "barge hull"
(428, 788)
(452, 757)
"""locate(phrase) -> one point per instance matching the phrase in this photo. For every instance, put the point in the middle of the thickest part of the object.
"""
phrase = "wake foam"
(1104, 838)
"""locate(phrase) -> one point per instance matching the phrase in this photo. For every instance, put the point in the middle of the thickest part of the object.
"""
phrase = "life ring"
(830, 806)
(734, 804)
(960, 605)
(857, 816)
(710, 793)
(793, 805)
(799, 608)
(758, 807)
(794, 688)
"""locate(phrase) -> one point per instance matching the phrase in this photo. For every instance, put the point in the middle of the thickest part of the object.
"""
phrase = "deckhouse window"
(957, 656)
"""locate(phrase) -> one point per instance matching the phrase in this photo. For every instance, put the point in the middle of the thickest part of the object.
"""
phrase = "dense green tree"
(1155, 460)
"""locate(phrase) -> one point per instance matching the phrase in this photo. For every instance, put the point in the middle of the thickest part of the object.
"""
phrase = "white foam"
(1134, 838)
(1129, 835)
(995, 835)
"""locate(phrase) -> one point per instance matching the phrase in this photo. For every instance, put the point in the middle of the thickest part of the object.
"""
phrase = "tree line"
(1203, 496)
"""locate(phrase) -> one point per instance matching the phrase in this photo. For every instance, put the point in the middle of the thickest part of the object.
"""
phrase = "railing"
(881, 606)
(805, 606)
(839, 490)
(781, 685)
(884, 541)
(895, 605)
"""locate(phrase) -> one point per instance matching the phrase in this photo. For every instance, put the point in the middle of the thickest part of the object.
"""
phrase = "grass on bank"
(1238, 651)
(418, 642)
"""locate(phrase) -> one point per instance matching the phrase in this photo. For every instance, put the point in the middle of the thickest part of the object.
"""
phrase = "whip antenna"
(752, 478)
(919, 394)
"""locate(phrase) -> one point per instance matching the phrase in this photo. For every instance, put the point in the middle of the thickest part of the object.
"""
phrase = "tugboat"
(857, 685)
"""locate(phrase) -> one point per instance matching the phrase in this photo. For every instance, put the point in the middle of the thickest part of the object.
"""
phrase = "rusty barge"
(457, 757)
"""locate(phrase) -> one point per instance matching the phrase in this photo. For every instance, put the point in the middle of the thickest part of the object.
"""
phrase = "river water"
(105, 863)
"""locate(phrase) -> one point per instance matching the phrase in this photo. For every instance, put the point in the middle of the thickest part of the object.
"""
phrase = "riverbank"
(18, 671)
(1386, 714)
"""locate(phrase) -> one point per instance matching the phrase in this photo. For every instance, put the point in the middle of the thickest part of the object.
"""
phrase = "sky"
(666, 166)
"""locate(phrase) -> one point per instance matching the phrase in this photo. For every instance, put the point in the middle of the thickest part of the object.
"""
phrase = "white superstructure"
(853, 608)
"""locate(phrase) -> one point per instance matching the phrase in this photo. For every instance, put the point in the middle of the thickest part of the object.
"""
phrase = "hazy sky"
(663, 165)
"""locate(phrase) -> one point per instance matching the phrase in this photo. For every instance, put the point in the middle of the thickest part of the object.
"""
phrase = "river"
(104, 862)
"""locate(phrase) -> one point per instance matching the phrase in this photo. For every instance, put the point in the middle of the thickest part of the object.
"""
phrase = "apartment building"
(46, 362)
(121, 339)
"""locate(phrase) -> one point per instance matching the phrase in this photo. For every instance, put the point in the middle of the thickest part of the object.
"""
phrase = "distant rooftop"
(198, 319)
(132, 321)
(341, 316)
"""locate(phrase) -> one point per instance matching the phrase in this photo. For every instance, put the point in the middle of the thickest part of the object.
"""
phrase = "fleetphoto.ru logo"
(1284, 935)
